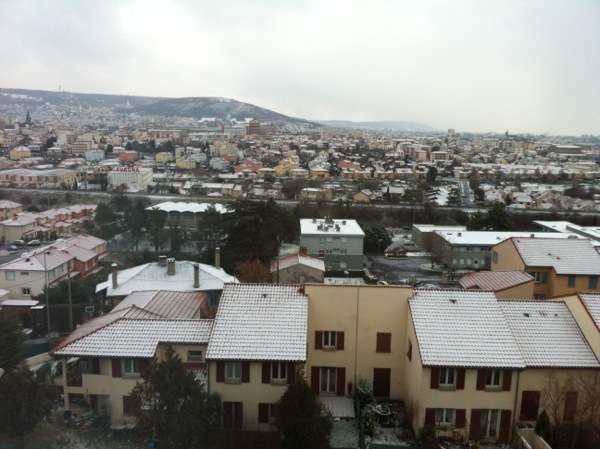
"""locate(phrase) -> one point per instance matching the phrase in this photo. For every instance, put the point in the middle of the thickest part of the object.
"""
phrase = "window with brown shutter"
(506, 379)
(481, 376)
(315, 379)
(341, 382)
(245, 372)
(131, 405)
(144, 367)
(220, 371)
(570, 406)
(434, 382)
(430, 416)
(263, 413)
(475, 428)
(318, 339)
(505, 423)
(266, 372)
(381, 382)
(291, 373)
(530, 404)
(384, 342)
(340, 341)
(460, 378)
(461, 418)
(116, 367)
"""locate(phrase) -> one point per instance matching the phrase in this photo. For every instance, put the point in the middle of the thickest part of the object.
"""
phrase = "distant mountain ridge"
(222, 109)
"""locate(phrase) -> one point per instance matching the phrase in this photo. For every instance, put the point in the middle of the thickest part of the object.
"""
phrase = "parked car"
(34, 243)
(19, 243)
(12, 249)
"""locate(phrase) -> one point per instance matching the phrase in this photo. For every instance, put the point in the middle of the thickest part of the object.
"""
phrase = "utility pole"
(70, 297)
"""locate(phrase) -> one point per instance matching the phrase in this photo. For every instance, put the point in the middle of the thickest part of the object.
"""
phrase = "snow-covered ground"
(345, 435)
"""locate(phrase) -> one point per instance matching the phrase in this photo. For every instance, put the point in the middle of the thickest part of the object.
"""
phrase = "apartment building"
(338, 242)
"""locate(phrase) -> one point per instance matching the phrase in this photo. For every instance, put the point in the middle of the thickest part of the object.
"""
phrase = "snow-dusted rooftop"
(566, 256)
(493, 237)
(298, 259)
(180, 206)
(548, 335)
(152, 276)
(591, 301)
(260, 322)
(464, 329)
(317, 226)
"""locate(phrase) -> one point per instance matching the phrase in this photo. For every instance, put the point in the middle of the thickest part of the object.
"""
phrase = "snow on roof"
(311, 226)
(180, 206)
(260, 322)
(464, 329)
(494, 237)
(591, 301)
(548, 335)
(495, 280)
(6, 204)
(297, 259)
(566, 256)
(137, 337)
(152, 276)
(39, 260)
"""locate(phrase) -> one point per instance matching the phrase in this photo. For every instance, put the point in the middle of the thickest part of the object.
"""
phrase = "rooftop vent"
(453, 301)
(526, 314)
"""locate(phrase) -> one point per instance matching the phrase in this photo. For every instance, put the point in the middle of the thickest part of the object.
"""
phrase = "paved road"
(466, 194)
(398, 271)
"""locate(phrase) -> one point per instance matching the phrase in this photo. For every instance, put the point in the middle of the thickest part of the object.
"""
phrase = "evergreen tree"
(302, 418)
(12, 339)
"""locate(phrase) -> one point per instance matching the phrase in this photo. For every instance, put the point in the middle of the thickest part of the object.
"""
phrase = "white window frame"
(328, 380)
(279, 372)
(329, 339)
(321, 253)
(272, 411)
(490, 423)
(10, 275)
(233, 371)
(447, 378)
(194, 356)
(25, 291)
(493, 379)
(132, 367)
(445, 416)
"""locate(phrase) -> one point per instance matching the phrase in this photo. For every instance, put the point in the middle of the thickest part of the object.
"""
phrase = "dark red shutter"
(506, 380)
(530, 405)
(384, 342)
(461, 418)
(340, 382)
(291, 373)
(315, 380)
(435, 378)
(474, 433)
(239, 415)
(430, 416)
(245, 372)
(340, 341)
(381, 382)
(318, 339)
(116, 367)
(460, 379)
(266, 372)
(144, 367)
(481, 378)
(504, 433)
(220, 371)
(263, 413)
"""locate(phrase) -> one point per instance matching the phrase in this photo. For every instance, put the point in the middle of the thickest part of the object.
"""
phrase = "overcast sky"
(518, 65)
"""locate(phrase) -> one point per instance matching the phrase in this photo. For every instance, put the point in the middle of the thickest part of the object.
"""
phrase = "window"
(24, 273)
(233, 415)
(329, 339)
(329, 240)
(593, 282)
(343, 265)
(233, 371)
(131, 367)
(492, 380)
(488, 423)
(194, 356)
(9, 275)
(321, 239)
(540, 277)
(344, 240)
(444, 416)
(321, 253)
(384, 342)
(328, 378)
(447, 377)
(130, 405)
(571, 280)
(344, 251)
(25, 291)
(266, 412)
(530, 405)
(279, 372)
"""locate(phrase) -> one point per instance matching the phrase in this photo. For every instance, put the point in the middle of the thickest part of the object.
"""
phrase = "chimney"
(218, 257)
(170, 266)
(196, 275)
(115, 273)
(162, 261)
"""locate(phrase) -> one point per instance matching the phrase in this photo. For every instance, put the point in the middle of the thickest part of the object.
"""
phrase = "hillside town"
(461, 334)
